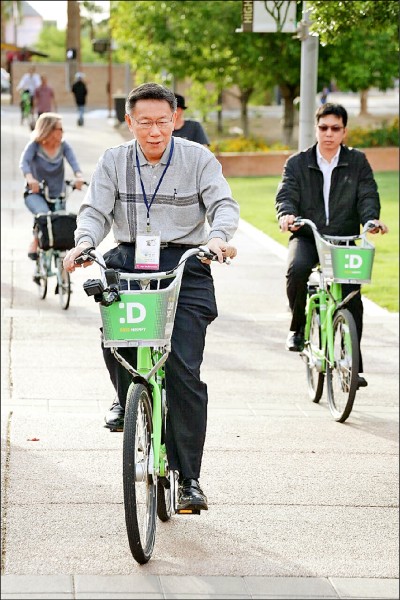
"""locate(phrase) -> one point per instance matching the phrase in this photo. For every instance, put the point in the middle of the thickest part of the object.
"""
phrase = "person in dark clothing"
(334, 186)
(188, 128)
(79, 90)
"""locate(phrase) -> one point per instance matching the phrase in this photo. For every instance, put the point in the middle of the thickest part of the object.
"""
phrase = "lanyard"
(147, 203)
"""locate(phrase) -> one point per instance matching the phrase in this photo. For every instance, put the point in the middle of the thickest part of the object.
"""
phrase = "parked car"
(5, 81)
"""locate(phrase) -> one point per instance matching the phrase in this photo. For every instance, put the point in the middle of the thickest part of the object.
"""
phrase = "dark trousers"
(186, 394)
(302, 258)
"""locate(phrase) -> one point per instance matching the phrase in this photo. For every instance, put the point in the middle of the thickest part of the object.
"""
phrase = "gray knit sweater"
(193, 204)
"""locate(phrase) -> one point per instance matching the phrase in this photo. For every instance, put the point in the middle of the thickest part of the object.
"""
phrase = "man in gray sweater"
(172, 190)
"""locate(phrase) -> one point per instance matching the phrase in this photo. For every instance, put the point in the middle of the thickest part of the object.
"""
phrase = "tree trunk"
(289, 93)
(363, 103)
(219, 113)
(244, 117)
(73, 37)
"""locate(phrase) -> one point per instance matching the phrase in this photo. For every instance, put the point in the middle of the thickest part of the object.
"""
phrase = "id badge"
(147, 252)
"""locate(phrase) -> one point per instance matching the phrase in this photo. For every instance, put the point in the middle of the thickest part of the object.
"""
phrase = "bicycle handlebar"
(110, 293)
(368, 226)
(44, 189)
(92, 255)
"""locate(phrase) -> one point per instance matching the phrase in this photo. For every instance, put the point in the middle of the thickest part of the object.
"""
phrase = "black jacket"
(353, 197)
(79, 90)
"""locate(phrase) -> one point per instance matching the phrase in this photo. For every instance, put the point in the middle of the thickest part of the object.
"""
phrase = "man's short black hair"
(332, 109)
(150, 91)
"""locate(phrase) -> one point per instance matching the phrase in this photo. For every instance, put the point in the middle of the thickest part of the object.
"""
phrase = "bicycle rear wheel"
(342, 372)
(41, 275)
(313, 354)
(140, 484)
(63, 285)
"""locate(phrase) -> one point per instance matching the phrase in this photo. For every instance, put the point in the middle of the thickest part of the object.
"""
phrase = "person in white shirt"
(29, 82)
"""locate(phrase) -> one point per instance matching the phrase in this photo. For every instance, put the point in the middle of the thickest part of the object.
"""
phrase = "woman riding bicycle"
(43, 159)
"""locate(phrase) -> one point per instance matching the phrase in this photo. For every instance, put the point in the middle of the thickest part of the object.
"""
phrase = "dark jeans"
(186, 394)
(302, 258)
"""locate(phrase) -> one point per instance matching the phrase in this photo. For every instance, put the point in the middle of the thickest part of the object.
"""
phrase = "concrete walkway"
(299, 505)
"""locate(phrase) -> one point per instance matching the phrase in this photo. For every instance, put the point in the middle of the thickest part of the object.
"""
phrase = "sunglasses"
(334, 128)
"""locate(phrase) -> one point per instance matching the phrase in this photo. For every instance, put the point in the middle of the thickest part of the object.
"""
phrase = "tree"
(174, 40)
(52, 42)
(331, 19)
(10, 9)
(73, 37)
(372, 40)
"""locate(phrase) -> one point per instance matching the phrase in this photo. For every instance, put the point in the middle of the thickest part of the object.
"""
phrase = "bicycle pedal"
(113, 430)
(188, 511)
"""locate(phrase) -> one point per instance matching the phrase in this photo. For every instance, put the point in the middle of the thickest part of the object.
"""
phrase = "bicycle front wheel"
(342, 369)
(313, 354)
(140, 484)
(41, 276)
(64, 285)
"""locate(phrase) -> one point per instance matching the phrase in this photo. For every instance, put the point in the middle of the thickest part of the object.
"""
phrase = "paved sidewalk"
(300, 506)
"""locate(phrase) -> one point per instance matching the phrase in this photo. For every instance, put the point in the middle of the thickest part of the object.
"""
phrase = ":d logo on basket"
(135, 312)
(353, 261)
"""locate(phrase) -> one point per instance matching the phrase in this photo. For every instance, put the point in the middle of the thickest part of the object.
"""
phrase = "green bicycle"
(27, 115)
(331, 346)
(137, 312)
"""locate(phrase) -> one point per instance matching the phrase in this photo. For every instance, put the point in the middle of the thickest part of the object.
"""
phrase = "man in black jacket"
(334, 186)
(79, 91)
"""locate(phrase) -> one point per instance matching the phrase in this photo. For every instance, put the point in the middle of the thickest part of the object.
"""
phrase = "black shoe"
(295, 341)
(362, 382)
(191, 496)
(115, 417)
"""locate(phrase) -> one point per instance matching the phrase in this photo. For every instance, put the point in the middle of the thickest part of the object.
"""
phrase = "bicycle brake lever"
(212, 256)
(85, 256)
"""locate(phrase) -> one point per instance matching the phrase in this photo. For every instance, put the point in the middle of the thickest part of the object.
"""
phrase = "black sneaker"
(114, 418)
(191, 496)
(295, 341)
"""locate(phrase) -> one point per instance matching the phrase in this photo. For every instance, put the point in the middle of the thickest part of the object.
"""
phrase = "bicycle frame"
(327, 301)
(153, 376)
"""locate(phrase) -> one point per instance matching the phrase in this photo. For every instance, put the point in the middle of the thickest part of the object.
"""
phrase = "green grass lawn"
(256, 196)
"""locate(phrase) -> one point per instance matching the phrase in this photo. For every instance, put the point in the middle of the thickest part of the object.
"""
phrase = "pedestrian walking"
(79, 90)
(44, 99)
(188, 128)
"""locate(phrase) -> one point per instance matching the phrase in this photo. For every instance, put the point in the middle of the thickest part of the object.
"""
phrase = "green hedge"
(385, 135)
(358, 137)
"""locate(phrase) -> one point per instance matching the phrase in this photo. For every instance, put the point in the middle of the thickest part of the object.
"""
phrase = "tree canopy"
(331, 20)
